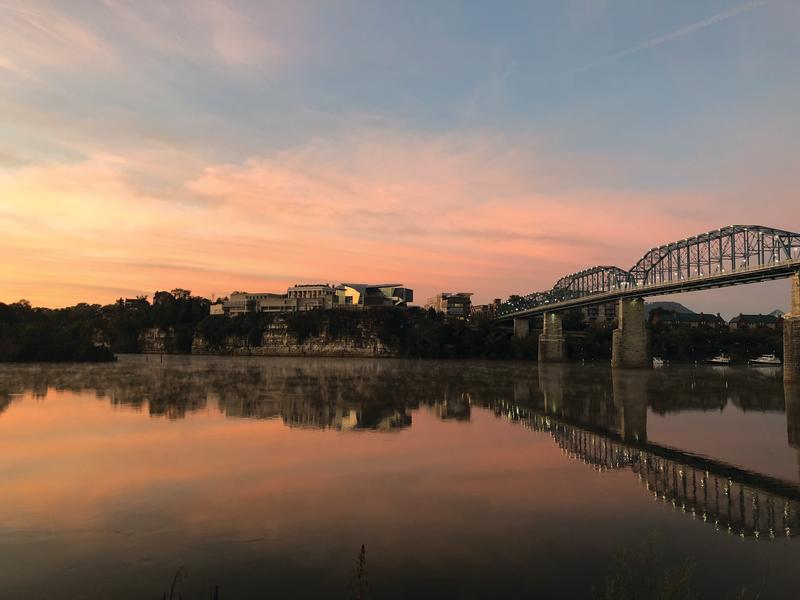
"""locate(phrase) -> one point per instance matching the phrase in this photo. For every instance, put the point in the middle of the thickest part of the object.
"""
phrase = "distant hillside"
(670, 306)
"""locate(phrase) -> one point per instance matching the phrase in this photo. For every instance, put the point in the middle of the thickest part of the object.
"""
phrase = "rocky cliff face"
(155, 341)
(278, 340)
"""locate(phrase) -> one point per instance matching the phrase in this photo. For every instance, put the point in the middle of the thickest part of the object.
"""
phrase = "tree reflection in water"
(595, 415)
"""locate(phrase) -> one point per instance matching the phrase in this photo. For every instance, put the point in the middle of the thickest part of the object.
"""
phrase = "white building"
(303, 297)
(362, 295)
(458, 305)
(310, 290)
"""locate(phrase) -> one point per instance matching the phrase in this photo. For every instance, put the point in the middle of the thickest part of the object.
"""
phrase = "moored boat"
(765, 359)
(720, 359)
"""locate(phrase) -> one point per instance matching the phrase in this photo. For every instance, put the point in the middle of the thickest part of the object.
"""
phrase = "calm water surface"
(461, 479)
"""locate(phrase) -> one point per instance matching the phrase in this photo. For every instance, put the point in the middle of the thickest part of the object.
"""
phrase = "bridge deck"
(702, 282)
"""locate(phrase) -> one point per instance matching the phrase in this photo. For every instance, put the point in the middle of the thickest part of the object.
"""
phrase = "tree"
(181, 294)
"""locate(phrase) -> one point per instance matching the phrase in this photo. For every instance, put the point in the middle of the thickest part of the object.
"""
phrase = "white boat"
(721, 359)
(765, 359)
(658, 362)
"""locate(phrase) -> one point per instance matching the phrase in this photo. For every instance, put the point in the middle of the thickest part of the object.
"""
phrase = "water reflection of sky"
(268, 474)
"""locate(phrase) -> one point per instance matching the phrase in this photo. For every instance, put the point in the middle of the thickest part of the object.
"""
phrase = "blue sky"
(449, 145)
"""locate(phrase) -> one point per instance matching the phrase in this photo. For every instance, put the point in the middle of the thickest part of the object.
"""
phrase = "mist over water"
(264, 476)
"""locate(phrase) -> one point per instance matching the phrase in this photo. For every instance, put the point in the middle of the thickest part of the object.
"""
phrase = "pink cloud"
(434, 212)
(457, 211)
(36, 38)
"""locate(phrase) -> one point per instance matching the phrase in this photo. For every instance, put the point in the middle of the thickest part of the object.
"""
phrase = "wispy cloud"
(210, 31)
(227, 145)
(672, 35)
(423, 209)
(46, 39)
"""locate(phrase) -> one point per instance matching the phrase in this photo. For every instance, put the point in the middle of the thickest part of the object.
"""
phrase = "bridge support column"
(791, 335)
(552, 343)
(630, 348)
(522, 328)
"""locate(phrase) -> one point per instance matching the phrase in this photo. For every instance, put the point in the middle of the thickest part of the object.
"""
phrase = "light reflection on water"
(463, 479)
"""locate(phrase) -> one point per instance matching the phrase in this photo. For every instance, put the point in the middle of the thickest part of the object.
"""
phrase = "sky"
(448, 146)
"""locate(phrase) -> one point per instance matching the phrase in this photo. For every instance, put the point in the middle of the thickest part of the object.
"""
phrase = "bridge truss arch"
(595, 280)
(728, 256)
(725, 250)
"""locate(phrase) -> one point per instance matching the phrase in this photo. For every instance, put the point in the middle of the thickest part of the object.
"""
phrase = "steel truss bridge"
(729, 256)
(725, 497)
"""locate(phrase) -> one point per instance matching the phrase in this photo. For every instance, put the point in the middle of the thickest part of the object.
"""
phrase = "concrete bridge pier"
(630, 348)
(552, 343)
(791, 335)
(522, 327)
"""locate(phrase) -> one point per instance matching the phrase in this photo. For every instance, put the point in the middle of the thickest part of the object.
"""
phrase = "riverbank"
(43, 335)
(375, 333)
(93, 333)
(184, 326)
(679, 344)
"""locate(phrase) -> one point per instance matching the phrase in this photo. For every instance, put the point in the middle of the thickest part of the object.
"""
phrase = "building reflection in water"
(595, 415)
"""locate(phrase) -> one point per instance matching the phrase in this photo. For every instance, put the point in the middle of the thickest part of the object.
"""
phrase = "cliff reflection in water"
(324, 393)
(594, 415)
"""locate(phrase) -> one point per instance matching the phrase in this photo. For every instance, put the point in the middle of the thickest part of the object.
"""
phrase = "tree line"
(91, 332)
(94, 333)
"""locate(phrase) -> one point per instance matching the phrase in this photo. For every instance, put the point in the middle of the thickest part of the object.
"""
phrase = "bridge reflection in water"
(595, 414)
(727, 497)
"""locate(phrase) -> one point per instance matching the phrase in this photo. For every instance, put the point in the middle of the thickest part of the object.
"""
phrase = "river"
(265, 476)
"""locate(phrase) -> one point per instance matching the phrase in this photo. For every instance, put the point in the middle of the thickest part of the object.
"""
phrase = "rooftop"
(755, 319)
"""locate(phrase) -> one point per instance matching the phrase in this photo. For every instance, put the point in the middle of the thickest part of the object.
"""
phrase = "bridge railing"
(737, 249)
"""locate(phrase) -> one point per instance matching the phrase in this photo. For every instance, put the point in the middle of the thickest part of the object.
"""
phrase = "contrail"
(19, 11)
(668, 37)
